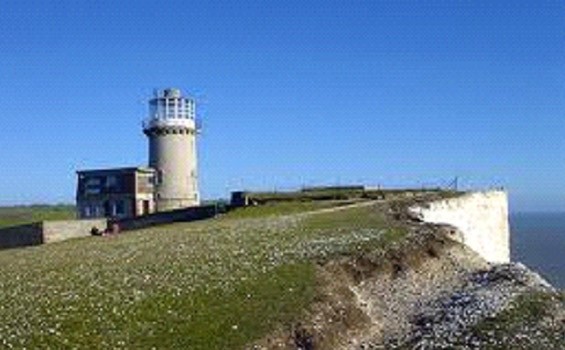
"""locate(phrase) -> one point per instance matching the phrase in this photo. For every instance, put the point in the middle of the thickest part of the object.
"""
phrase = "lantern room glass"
(164, 107)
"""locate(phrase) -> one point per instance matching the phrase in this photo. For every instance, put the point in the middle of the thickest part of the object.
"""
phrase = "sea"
(538, 241)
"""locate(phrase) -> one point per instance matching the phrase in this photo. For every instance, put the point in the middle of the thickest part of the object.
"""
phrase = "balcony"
(151, 123)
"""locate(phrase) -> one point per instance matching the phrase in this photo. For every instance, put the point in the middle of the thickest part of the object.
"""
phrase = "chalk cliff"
(480, 217)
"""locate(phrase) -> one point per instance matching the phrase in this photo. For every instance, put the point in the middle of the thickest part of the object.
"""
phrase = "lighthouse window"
(159, 177)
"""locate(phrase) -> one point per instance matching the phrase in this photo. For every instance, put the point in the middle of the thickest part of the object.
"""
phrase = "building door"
(146, 207)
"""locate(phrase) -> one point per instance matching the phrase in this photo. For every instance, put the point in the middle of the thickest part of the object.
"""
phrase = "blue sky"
(397, 93)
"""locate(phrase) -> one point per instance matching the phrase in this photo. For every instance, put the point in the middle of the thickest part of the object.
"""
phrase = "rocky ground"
(476, 315)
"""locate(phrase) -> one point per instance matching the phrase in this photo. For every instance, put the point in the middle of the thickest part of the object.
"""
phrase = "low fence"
(167, 217)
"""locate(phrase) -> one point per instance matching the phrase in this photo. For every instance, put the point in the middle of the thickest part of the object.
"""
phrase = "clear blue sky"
(398, 93)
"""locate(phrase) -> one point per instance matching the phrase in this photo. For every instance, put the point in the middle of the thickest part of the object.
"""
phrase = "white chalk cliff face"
(481, 219)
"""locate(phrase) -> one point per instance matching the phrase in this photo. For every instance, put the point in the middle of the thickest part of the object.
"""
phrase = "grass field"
(19, 215)
(214, 284)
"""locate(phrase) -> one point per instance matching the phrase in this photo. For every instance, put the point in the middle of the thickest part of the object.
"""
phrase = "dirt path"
(339, 208)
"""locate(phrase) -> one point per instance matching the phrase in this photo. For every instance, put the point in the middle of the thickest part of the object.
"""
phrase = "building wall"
(122, 191)
(96, 206)
(122, 182)
(172, 152)
(143, 202)
(481, 217)
(144, 183)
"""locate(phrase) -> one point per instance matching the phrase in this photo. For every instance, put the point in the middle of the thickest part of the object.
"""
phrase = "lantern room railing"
(170, 108)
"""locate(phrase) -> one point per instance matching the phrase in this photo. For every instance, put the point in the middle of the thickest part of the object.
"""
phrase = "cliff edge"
(448, 284)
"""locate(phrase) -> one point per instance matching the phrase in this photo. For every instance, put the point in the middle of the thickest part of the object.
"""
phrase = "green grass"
(354, 218)
(202, 319)
(362, 223)
(224, 323)
(216, 284)
(19, 215)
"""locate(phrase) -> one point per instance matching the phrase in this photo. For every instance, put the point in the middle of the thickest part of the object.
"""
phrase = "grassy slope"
(206, 285)
(18, 215)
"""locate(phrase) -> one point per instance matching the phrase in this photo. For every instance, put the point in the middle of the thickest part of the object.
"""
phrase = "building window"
(113, 183)
(92, 185)
(97, 211)
(90, 211)
(119, 208)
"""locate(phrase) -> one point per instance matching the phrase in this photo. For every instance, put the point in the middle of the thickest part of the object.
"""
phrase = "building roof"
(117, 170)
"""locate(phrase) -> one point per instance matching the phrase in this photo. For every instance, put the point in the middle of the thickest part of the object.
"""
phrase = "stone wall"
(55, 231)
(47, 232)
(179, 215)
(480, 217)
(23, 235)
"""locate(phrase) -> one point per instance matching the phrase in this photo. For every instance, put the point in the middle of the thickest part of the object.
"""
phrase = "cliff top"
(328, 274)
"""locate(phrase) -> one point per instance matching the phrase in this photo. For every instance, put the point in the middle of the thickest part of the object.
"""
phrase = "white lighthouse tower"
(171, 129)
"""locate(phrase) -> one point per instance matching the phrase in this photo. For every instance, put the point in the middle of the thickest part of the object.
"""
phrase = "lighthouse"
(171, 130)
